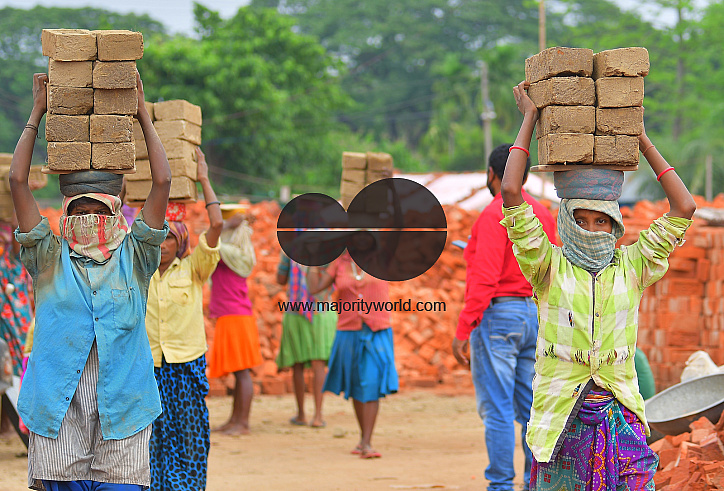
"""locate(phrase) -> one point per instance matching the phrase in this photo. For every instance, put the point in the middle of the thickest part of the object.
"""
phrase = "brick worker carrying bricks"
(175, 325)
(587, 428)
(89, 395)
(500, 323)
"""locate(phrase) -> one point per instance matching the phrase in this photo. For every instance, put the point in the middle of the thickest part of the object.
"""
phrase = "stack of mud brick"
(36, 179)
(92, 96)
(361, 169)
(178, 124)
(590, 105)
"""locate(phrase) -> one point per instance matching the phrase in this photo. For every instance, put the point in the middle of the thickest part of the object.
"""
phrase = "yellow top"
(174, 316)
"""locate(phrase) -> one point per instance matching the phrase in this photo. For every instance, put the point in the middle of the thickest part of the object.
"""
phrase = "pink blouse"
(351, 291)
(229, 293)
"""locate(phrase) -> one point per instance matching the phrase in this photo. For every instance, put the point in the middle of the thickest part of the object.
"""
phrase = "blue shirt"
(77, 301)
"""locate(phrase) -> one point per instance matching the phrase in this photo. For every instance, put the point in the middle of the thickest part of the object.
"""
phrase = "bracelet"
(33, 127)
(643, 152)
(658, 178)
(520, 148)
(213, 203)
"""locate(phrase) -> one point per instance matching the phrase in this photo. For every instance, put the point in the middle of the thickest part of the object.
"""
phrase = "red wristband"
(643, 152)
(520, 148)
(658, 178)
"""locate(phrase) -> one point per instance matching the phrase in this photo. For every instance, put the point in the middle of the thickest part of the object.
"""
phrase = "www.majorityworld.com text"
(362, 306)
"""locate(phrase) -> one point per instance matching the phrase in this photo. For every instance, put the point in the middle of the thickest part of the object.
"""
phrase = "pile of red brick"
(679, 315)
(692, 461)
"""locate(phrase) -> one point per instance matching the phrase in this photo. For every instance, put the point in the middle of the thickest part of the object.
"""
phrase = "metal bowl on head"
(674, 409)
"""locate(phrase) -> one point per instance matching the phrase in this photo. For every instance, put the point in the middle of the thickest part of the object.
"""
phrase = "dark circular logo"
(394, 229)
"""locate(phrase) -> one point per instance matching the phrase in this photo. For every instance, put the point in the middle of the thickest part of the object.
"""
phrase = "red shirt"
(492, 270)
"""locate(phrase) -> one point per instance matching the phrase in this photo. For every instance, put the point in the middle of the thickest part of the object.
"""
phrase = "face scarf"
(181, 233)
(591, 251)
(94, 236)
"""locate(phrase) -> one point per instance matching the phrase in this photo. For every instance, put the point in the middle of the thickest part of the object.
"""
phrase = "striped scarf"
(181, 234)
(94, 236)
(591, 251)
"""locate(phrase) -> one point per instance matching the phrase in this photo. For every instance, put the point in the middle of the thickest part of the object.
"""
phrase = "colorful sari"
(603, 449)
(15, 313)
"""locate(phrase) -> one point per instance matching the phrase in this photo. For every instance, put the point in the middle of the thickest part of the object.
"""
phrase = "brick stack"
(92, 96)
(692, 460)
(564, 92)
(361, 169)
(178, 124)
(619, 76)
(36, 180)
(590, 105)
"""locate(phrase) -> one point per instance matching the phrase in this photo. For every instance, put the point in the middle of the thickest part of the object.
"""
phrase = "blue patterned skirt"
(179, 446)
(362, 365)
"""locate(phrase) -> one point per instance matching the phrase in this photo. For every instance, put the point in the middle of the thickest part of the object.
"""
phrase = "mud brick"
(141, 149)
(566, 119)
(110, 128)
(177, 109)
(354, 175)
(115, 101)
(137, 130)
(6, 159)
(179, 168)
(113, 156)
(619, 121)
(149, 109)
(6, 207)
(616, 149)
(70, 100)
(182, 188)
(563, 91)
(179, 149)
(68, 44)
(114, 74)
(354, 160)
(36, 178)
(621, 62)
(379, 161)
(560, 148)
(143, 170)
(183, 168)
(65, 128)
(372, 175)
(180, 128)
(70, 73)
(620, 91)
(558, 61)
(118, 45)
(69, 156)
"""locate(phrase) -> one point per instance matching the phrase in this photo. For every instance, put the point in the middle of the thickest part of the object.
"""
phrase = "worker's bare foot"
(318, 422)
(223, 427)
(236, 429)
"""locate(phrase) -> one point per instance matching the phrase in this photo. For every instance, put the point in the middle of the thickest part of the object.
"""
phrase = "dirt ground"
(427, 439)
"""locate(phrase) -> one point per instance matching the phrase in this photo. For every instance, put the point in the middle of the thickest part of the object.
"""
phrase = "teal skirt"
(362, 365)
(304, 341)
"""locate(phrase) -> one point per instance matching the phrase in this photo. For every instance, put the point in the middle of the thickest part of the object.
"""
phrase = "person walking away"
(499, 324)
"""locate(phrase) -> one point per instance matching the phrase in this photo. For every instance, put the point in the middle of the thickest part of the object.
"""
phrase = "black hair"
(85, 200)
(498, 158)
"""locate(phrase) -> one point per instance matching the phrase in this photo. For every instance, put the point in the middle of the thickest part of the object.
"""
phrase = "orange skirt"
(236, 345)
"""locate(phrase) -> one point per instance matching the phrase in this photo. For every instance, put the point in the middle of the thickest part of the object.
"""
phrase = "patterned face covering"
(94, 236)
(591, 251)
(181, 233)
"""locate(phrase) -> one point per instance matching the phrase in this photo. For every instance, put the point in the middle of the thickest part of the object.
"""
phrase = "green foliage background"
(287, 85)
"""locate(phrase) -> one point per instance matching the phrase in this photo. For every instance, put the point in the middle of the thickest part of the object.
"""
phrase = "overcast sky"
(177, 15)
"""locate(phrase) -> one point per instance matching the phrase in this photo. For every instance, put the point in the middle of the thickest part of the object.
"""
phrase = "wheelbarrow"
(674, 409)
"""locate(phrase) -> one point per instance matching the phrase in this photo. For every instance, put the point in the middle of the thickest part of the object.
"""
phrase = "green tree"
(268, 95)
(395, 52)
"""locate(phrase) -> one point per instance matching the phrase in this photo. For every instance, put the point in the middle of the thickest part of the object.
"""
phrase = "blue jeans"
(89, 486)
(502, 357)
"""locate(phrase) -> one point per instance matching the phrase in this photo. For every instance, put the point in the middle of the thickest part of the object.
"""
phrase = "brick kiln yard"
(426, 438)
